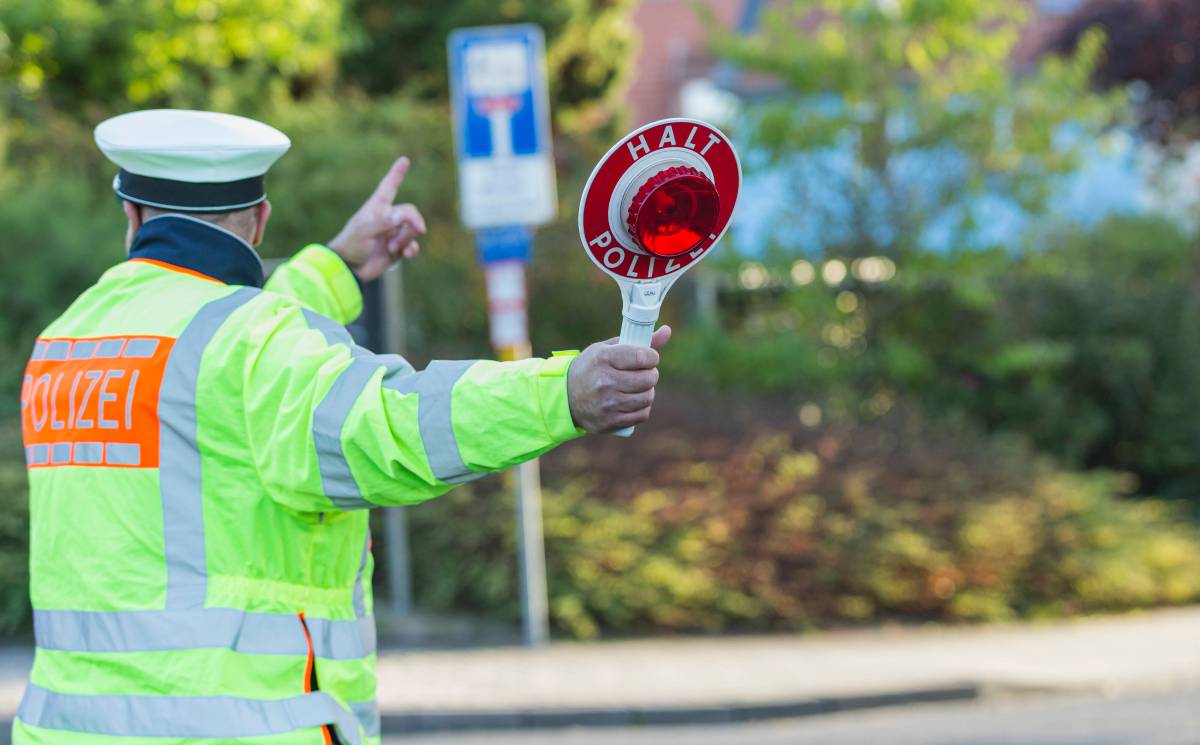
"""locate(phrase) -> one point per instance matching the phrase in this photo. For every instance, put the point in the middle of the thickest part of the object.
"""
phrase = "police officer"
(201, 447)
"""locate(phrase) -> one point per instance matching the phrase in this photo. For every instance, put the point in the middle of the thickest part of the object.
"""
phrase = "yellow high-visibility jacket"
(200, 452)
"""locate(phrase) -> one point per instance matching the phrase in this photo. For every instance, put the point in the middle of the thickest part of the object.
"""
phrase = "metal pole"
(395, 531)
(706, 297)
(395, 524)
(532, 555)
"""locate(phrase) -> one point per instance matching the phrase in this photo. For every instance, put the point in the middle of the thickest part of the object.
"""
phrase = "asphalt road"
(1162, 718)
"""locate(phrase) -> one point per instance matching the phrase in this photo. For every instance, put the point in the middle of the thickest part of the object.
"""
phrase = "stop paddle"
(655, 205)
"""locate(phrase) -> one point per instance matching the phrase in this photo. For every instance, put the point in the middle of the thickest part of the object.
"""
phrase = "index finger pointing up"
(386, 191)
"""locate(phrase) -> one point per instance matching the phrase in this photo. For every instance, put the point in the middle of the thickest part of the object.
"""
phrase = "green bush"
(751, 526)
(1088, 346)
(14, 532)
(59, 235)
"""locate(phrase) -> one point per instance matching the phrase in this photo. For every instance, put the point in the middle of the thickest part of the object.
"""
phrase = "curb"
(599, 717)
(458, 721)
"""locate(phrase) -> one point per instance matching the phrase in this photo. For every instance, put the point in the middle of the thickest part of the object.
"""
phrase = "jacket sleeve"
(319, 280)
(334, 426)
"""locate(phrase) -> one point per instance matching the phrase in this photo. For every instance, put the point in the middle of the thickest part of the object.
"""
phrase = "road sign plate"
(502, 126)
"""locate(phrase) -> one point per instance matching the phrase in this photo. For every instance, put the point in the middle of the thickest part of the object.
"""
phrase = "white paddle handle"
(637, 334)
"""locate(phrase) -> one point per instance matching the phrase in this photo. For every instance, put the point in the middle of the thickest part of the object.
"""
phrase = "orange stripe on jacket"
(180, 269)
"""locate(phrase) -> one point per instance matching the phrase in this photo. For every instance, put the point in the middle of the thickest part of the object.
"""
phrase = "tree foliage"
(589, 48)
(895, 113)
(86, 59)
(224, 54)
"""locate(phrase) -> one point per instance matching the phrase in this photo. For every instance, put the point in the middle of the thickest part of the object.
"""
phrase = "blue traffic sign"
(502, 125)
(497, 68)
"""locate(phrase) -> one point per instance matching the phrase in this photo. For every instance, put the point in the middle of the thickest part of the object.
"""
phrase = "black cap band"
(168, 194)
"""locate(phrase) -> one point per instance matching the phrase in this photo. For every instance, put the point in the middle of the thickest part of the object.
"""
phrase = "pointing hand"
(381, 233)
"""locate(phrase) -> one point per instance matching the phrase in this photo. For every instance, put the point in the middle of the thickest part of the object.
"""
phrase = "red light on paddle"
(674, 211)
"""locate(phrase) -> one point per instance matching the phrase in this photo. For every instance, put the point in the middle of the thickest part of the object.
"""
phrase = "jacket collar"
(199, 246)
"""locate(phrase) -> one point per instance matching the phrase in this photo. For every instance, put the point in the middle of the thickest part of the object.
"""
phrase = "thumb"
(661, 337)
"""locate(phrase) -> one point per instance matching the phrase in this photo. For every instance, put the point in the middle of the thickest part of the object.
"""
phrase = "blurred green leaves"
(90, 58)
(589, 55)
(67, 64)
(14, 531)
(223, 54)
(882, 81)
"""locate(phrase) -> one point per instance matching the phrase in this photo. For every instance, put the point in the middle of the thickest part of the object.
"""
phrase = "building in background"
(673, 55)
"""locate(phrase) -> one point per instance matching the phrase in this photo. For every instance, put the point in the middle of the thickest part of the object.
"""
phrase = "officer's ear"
(134, 213)
(262, 214)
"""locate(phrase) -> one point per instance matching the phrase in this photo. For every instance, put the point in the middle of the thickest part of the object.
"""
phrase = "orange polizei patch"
(93, 401)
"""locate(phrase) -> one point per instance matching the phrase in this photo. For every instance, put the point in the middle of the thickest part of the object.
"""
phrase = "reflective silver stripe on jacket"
(359, 597)
(202, 628)
(434, 386)
(329, 418)
(367, 713)
(179, 457)
(227, 717)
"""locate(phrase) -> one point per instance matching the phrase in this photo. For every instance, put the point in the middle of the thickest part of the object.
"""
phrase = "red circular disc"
(674, 211)
(681, 211)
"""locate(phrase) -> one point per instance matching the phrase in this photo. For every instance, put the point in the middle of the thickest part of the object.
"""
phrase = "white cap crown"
(190, 160)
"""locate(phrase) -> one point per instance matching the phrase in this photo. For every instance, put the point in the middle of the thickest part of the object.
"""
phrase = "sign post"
(395, 521)
(504, 252)
(506, 187)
